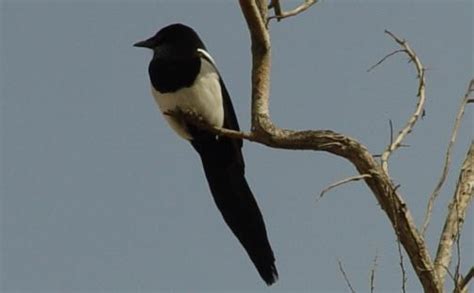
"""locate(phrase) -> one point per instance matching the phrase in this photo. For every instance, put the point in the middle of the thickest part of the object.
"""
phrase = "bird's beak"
(144, 44)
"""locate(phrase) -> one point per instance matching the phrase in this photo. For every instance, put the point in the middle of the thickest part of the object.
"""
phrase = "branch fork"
(374, 173)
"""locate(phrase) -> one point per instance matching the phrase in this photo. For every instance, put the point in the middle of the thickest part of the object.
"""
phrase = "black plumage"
(179, 60)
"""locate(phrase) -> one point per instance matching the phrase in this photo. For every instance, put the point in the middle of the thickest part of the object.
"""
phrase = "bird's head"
(173, 40)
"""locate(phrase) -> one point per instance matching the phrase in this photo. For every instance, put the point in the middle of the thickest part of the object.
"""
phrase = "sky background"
(98, 194)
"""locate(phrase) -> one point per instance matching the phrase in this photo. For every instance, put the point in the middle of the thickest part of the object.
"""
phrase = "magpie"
(184, 77)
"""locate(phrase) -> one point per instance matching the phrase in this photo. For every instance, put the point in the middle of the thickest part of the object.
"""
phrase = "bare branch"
(447, 161)
(466, 279)
(264, 131)
(456, 214)
(192, 117)
(451, 276)
(344, 181)
(261, 63)
(419, 107)
(345, 276)
(402, 266)
(280, 14)
(391, 130)
(385, 58)
(372, 273)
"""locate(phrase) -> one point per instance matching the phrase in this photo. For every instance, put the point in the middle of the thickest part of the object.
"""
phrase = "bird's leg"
(189, 116)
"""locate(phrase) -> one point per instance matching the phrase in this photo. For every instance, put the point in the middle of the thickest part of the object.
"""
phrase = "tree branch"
(265, 132)
(456, 213)
(447, 161)
(254, 14)
(421, 99)
(466, 279)
(385, 58)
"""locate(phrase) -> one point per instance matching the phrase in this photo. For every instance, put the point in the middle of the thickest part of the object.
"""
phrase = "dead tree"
(374, 170)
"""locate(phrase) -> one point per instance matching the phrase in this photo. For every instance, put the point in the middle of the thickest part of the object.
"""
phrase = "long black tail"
(224, 168)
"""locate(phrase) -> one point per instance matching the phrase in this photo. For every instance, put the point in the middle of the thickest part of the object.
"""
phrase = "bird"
(184, 77)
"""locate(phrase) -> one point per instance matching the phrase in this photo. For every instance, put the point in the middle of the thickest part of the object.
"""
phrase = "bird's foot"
(189, 116)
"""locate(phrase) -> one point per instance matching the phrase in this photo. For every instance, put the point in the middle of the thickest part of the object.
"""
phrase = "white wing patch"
(204, 96)
(207, 55)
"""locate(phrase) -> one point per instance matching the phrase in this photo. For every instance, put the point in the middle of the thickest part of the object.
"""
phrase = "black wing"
(225, 172)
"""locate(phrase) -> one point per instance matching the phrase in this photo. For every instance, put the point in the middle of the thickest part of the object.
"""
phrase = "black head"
(175, 39)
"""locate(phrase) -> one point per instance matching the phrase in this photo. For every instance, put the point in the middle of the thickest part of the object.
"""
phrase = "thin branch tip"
(384, 58)
(372, 273)
(341, 269)
(344, 181)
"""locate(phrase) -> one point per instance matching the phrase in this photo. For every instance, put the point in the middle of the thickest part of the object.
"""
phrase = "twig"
(402, 266)
(385, 58)
(345, 276)
(456, 281)
(344, 181)
(466, 279)
(420, 104)
(391, 130)
(280, 14)
(447, 161)
(451, 276)
(372, 273)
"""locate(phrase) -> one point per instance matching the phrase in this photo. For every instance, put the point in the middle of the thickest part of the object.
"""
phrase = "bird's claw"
(188, 115)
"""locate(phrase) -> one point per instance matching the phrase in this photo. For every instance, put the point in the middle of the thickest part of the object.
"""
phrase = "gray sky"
(97, 193)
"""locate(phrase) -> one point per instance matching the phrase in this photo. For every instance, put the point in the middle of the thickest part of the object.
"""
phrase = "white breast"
(203, 97)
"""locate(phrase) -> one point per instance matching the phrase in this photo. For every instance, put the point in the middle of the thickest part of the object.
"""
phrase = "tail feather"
(224, 169)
